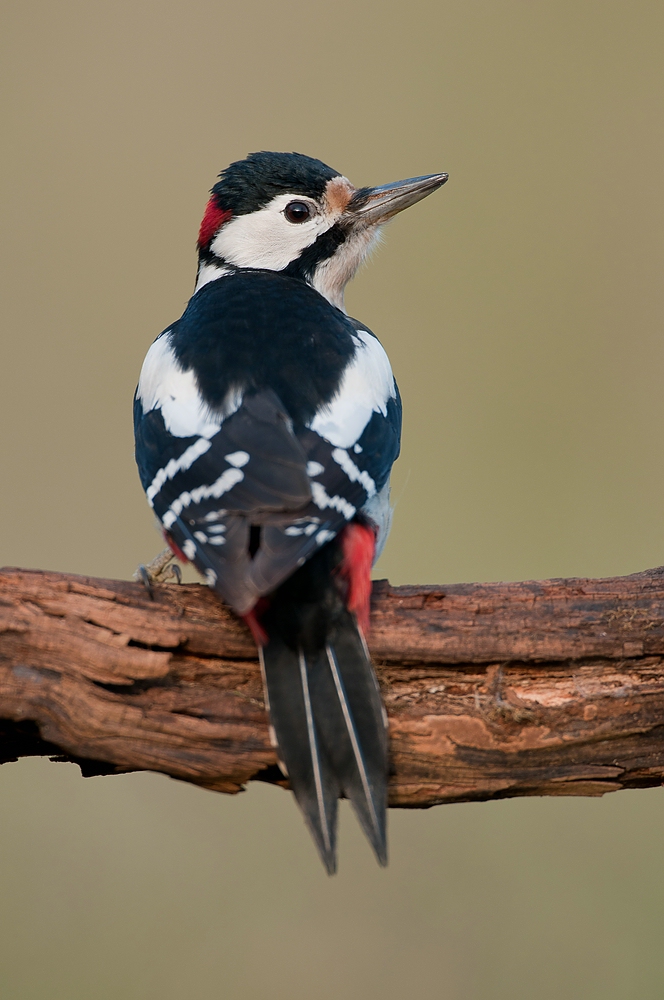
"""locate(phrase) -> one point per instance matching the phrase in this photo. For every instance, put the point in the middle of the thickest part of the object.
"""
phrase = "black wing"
(254, 504)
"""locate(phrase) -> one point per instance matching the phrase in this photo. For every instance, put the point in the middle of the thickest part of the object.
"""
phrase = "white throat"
(331, 276)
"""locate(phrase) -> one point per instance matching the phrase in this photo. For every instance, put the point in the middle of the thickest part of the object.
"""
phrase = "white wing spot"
(227, 480)
(324, 536)
(303, 526)
(181, 464)
(314, 469)
(323, 500)
(238, 459)
(200, 536)
(210, 577)
(343, 459)
(189, 549)
(214, 515)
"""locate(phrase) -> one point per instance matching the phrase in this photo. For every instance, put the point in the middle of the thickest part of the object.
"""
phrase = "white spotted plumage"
(175, 465)
(342, 458)
(225, 482)
(323, 501)
(366, 386)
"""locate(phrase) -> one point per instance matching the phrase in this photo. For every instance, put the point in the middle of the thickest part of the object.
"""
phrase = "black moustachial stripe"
(323, 248)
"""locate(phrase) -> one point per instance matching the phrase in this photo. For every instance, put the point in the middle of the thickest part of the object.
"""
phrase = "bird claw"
(142, 575)
(160, 570)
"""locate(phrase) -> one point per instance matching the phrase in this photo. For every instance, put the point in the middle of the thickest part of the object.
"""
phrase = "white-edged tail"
(328, 717)
(373, 805)
(316, 765)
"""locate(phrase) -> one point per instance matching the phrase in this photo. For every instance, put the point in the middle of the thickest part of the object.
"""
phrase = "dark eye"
(297, 211)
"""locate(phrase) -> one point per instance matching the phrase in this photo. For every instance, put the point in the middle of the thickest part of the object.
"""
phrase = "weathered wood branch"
(492, 690)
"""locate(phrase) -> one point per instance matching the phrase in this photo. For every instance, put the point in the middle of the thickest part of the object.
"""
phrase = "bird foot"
(160, 570)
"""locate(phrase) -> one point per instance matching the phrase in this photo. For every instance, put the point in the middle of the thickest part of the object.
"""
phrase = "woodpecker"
(267, 421)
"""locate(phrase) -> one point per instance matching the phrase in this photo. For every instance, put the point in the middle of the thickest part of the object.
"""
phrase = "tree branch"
(492, 690)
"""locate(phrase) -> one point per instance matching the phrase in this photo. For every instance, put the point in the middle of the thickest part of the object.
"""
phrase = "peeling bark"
(492, 690)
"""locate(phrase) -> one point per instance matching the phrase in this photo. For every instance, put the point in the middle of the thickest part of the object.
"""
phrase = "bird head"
(291, 213)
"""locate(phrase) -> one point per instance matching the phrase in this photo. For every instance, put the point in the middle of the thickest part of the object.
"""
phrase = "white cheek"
(265, 238)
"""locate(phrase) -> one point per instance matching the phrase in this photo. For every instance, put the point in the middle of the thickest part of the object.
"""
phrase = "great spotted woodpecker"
(267, 422)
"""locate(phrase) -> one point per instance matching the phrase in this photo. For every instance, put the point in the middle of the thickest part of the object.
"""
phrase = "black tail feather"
(364, 779)
(324, 704)
(329, 722)
(310, 774)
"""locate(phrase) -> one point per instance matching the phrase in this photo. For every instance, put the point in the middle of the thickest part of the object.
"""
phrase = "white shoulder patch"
(166, 386)
(366, 387)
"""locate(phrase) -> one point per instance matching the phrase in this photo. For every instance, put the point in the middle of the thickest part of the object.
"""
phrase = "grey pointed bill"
(375, 205)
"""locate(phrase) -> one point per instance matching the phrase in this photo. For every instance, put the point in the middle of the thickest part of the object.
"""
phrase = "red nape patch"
(175, 549)
(358, 544)
(253, 621)
(213, 220)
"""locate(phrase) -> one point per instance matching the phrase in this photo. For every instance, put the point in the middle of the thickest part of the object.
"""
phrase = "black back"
(257, 330)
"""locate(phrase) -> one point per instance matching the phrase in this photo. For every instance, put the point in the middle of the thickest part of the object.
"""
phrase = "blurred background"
(522, 307)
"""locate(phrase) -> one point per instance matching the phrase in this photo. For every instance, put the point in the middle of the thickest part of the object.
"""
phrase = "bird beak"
(370, 206)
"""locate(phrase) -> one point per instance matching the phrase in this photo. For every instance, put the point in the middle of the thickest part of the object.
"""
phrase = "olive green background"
(522, 306)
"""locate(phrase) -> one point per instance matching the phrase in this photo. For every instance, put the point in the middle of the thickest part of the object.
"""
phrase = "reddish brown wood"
(539, 688)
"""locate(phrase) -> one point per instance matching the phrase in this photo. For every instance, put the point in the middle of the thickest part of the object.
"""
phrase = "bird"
(267, 421)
